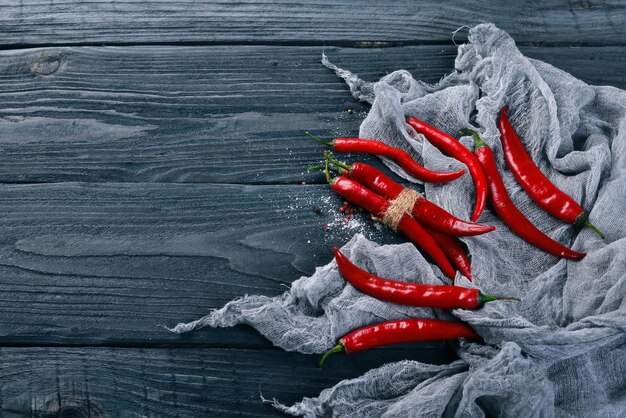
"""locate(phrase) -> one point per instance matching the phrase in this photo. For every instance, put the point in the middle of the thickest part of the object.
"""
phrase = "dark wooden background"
(152, 168)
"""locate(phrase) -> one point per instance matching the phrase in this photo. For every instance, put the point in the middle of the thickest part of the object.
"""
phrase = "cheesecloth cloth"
(561, 351)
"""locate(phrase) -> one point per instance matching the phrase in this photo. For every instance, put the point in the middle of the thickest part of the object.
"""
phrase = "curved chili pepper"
(403, 158)
(535, 183)
(412, 294)
(452, 147)
(453, 250)
(424, 210)
(508, 212)
(358, 195)
(401, 331)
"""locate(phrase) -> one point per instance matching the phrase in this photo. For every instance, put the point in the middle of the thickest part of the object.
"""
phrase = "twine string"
(398, 207)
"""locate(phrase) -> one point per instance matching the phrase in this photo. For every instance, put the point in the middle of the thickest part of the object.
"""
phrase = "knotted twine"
(400, 206)
(559, 352)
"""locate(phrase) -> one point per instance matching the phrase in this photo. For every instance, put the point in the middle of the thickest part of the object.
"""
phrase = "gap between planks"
(303, 43)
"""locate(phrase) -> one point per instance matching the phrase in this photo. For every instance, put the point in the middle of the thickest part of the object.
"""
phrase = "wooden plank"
(177, 114)
(107, 264)
(88, 382)
(585, 63)
(128, 21)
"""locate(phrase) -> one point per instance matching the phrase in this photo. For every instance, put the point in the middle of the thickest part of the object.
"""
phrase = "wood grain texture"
(100, 383)
(161, 235)
(165, 21)
(220, 114)
(107, 264)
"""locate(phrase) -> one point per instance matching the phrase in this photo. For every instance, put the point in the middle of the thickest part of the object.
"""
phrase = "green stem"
(315, 167)
(594, 229)
(338, 163)
(582, 221)
(339, 348)
(337, 170)
(482, 298)
(321, 141)
(478, 142)
(328, 179)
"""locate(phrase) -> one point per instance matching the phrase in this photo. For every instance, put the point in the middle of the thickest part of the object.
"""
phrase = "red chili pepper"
(371, 146)
(535, 183)
(358, 195)
(453, 250)
(401, 331)
(412, 294)
(452, 147)
(424, 210)
(508, 212)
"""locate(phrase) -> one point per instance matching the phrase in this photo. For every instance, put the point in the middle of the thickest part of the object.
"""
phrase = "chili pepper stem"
(482, 298)
(594, 229)
(315, 167)
(329, 157)
(582, 221)
(478, 142)
(339, 348)
(321, 141)
(322, 168)
(328, 179)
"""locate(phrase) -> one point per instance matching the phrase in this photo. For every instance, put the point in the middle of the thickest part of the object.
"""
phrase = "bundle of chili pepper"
(433, 214)
(437, 222)
(424, 210)
(403, 158)
(535, 183)
(359, 195)
(506, 209)
(453, 148)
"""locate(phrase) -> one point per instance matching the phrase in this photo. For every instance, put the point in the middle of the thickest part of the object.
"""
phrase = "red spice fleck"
(348, 212)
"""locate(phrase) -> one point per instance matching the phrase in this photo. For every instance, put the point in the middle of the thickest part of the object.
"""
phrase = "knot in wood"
(71, 407)
(46, 65)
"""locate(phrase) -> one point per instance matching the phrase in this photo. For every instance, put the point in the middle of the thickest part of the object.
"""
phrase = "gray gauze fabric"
(559, 352)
